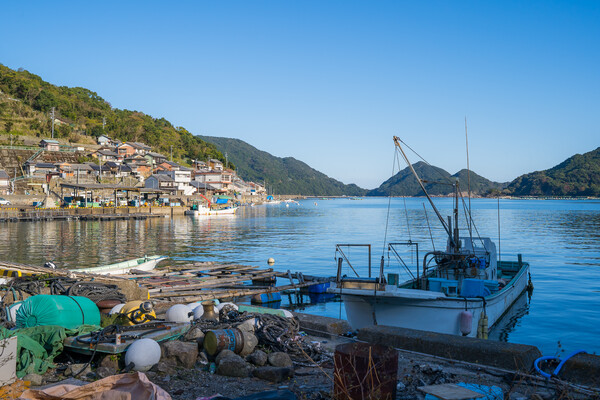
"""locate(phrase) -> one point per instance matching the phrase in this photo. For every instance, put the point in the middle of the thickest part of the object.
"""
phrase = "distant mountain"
(284, 175)
(576, 176)
(436, 180)
(479, 185)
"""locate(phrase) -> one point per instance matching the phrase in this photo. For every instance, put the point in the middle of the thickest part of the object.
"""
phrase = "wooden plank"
(209, 294)
(213, 283)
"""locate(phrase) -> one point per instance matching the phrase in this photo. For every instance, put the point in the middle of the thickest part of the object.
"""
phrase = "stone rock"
(110, 361)
(225, 354)
(183, 353)
(280, 359)
(195, 335)
(248, 326)
(35, 379)
(258, 357)
(234, 367)
(104, 372)
(75, 368)
(274, 374)
(250, 342)
(164, 367)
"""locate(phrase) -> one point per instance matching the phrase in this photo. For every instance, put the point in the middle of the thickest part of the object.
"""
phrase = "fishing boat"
(146, 263)
(202, 211)
(199, 209)
(462, 290)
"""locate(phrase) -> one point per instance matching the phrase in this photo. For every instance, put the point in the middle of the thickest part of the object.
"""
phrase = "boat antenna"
(468, 181)
(397, 142)
(428, 226)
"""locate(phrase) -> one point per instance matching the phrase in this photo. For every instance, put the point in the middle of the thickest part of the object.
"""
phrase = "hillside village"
(121, 164)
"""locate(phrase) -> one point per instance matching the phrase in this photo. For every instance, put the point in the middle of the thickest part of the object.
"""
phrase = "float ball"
(179, 313)
(143, 353)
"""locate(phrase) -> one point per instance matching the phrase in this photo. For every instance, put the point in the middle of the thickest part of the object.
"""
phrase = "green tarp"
(37, 346)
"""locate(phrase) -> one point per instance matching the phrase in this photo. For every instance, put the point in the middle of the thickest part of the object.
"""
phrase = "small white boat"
(147, 263)
(201, 210)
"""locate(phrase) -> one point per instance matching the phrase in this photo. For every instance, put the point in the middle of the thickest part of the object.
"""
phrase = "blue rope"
(560, 365)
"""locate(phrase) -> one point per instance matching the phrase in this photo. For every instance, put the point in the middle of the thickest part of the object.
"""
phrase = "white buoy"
(271, 261)
(198, 312)
(116, 309)
(288, 314)
(143, 353)
(179, 313)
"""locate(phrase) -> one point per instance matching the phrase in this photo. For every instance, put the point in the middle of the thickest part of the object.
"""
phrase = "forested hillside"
(577, 176)
(282, 175)
(26, 102)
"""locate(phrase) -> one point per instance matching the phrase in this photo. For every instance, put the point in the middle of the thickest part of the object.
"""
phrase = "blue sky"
(330, 82)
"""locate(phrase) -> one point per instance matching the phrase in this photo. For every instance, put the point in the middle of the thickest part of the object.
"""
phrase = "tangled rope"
(96, 291)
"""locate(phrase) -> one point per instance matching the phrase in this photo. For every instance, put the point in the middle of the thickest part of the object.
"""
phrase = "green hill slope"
(283, 175)
(26, 101)
(577, 176)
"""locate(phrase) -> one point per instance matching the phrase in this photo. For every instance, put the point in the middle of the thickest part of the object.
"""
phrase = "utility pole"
(226, 161)
(103, 123)
(171, 153)
(52, 122)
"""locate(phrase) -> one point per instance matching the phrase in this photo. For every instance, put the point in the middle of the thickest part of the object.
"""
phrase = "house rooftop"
(162, 177)
(51, 141)
(3, 174)
(44, 165)
(155, 155)
(106, 152)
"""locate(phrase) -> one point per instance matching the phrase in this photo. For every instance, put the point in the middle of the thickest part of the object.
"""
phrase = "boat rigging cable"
(397, 141)
(428, 226)
(387, 218)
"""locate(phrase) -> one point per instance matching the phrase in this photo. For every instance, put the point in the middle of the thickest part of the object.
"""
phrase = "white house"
(104, 140)
(182, 178)
(221, 180)
(4, 182)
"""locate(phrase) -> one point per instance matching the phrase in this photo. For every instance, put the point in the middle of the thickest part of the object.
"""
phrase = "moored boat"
(202, 211)
(146, 263)
(463, 290)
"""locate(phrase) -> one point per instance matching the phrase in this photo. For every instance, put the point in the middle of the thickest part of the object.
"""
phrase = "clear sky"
(330, 82)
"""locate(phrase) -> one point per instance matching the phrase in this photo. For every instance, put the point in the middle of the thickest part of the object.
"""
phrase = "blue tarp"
(269, 197)
(221, 201)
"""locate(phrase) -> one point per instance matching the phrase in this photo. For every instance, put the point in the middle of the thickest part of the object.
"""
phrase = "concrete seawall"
(582, 369)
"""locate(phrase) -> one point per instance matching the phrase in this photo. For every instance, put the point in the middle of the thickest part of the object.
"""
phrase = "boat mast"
(446, 227)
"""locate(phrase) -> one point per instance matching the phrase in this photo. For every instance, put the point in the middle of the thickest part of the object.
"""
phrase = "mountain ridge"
(284, 175)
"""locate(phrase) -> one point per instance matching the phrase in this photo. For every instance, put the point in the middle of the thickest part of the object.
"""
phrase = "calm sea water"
(560, 240)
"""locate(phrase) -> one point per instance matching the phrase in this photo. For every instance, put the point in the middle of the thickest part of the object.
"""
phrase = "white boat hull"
(122, 268)
(206, 211)
(424, 310)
